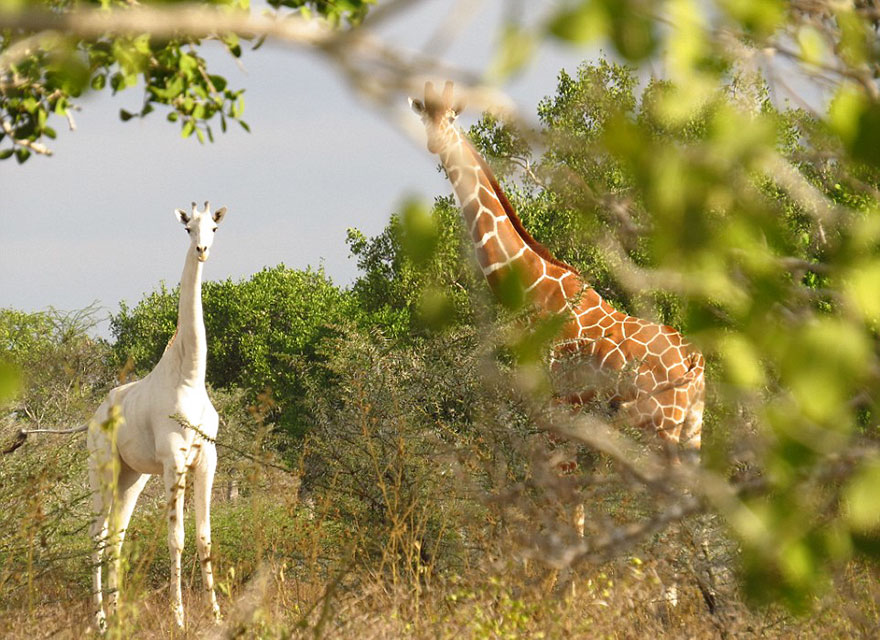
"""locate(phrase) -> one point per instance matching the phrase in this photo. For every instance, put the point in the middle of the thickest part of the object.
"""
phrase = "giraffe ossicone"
(657, 375)
(153, 436)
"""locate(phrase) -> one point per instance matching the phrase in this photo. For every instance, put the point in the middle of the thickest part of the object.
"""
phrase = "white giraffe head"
(439, 113)
(201, 227)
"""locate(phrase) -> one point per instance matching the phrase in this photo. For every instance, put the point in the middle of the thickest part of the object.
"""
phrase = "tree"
(42, 75)
(63, 369)
(413, 276)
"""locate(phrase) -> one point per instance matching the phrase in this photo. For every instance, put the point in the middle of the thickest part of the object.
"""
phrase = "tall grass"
(424, 504)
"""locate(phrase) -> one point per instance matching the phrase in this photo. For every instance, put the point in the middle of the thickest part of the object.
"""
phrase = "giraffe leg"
(203, 480)
(663, 413)
(102, 482)
(129, 488)
(579, 519)
(174, 476)
(98, 535)
(693, 428)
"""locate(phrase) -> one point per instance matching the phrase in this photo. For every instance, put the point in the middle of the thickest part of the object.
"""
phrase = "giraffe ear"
(182, 216)
(417, 105)
(219, 214)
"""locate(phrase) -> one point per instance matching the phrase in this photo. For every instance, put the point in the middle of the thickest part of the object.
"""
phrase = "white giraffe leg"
(129, 488)
(101, 484)
(174, 476)
(203, 481)
(98, 536)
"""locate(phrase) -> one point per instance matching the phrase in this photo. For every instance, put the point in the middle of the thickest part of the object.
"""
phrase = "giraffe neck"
(501, 243)
(186, 357)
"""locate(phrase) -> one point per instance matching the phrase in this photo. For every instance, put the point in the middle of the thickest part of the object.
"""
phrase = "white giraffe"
(151, 440)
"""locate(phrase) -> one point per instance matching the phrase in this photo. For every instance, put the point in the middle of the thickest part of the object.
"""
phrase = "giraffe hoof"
(101, 622)
(178, 617)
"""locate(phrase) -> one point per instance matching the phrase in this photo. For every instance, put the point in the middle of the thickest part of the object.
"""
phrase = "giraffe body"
(655, 374)
(150, 438)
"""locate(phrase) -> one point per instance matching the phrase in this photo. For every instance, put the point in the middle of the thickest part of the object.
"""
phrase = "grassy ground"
(288, 567)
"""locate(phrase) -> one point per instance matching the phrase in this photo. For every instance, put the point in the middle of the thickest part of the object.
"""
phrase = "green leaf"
(10, 378)
(866, 145)
(188, 65)
(812, 44)
(862, 499)
(219, 82)
(632, 28)
(760, 17)
(436, 310)
(516, 48)
(188, 127)
(863, 289)
(125, 116)
(6, 153)
(509, 287)
(535, 343)
(845, 110)
(419, 232)
(741, 363)
(581, 25)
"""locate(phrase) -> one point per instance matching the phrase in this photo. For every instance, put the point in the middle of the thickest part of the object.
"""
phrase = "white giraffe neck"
(186, 358)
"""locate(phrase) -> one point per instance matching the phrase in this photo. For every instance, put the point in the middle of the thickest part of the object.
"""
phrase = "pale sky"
(94, 221)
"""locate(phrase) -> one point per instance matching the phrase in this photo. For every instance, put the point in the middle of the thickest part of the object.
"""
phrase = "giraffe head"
(201, 227)
(439, 113)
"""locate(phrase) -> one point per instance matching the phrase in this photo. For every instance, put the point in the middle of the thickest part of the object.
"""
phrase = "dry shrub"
(425, 503)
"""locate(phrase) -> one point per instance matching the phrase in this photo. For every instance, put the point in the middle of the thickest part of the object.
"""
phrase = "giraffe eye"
(188, 230)
(215, 229)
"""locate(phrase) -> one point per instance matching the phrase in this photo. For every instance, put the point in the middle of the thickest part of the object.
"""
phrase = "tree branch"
(36, 147)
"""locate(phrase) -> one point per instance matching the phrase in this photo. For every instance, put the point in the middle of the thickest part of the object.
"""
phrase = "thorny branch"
(186, 424)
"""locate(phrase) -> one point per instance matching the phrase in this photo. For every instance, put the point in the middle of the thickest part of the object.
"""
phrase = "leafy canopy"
(40, 89)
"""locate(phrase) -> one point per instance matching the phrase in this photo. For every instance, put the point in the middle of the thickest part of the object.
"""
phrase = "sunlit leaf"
(10, 381)
(862, 499)
(741, 362)
(419, 232)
